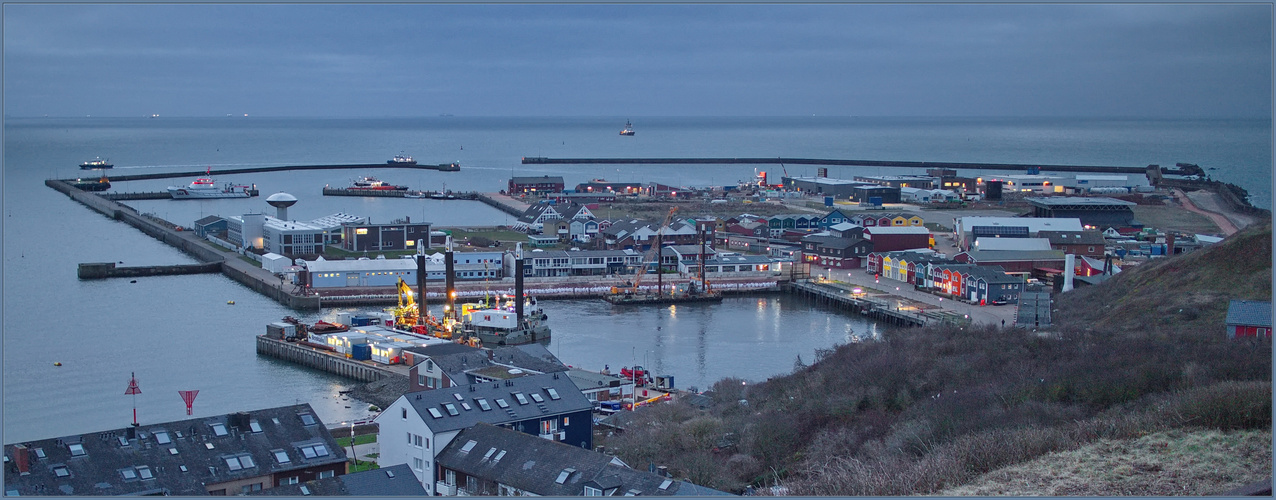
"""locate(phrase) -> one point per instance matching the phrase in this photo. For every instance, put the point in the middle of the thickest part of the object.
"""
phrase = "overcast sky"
(633, 60)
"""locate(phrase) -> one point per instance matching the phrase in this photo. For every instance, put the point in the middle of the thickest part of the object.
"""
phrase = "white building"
(418, 425)
(968, 229)
(287, 237)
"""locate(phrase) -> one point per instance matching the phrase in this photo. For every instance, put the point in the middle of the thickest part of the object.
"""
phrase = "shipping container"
(361, 351)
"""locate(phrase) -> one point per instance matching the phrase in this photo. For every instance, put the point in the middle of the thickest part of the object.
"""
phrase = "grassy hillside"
(936, 408)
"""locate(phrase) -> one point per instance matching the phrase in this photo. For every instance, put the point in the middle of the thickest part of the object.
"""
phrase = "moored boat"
(501, 325)
(374, 184)
(205, 188)
(401, 159)
(95, 163)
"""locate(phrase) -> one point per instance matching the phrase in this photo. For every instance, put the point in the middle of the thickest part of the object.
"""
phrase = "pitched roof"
(570, 400)
(1090, 237)
(549, 468)
(112, 463)
(537, 180)
(212, 219)
(1244, 312)
(394, 480)
(896, 230)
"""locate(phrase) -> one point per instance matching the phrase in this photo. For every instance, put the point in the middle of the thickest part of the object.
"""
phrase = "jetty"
(872, 307)
(1186, 169)
(102, 270)
(154, 195)
(444, 167)
(398, 193)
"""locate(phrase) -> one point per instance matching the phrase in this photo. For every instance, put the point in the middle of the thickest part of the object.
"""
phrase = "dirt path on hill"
(1223, 222)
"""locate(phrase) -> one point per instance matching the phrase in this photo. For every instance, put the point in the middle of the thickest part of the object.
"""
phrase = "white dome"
(281, 199)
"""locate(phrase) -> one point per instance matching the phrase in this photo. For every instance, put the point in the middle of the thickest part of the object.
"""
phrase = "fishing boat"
(374, 184)
(95, 163)
(205, 188)
(628, 130)
(401, 159)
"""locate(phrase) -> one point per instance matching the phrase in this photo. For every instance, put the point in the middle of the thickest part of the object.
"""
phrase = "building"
(908, 267)
(399, 235)
(467, 266)
(210, 226)
(833, 218)
(1089, 243)
(229, 454)
(899, 181)
(451, 365)
(1245, 318)
(285, 237)
(598, 186)
(396, 480)
(1012, 244)
(919, 195)
(895, 238)
(867, 193)
(887, 219)
(493, 461)
(601, 386)
(821, 186)
(968, 229)
(727, 265)
(1017, 262)
(1092, 212)
(580, 262)
(534, 185)
(419, 425)
(1032, 183)
(835, 251)
(537, 216)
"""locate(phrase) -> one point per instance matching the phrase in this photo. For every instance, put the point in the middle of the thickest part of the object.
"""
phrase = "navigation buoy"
(231, 302)
(58, 363)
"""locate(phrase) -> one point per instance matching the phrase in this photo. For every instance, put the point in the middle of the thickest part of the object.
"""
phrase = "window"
(251, 487)
(418, 464)
(282, 456)
(145, 472)
(128, 473)
(61, 471)
(562, 476)
(483, 404)
(553, 394)
(466, 406)
(77, 450)
(434, 412)
(289, 480)
(498, 456)
(501, 403)
(537, 397)
(409, 438)
(254, 426)
(219, 429)
(326, 474)
(161, 437)
(564, 421)
(489, 453)
(39, 452)
(122, 440)
(307, 419)
(469, 445)
(451, 409)
(405, 413)
(420, 380)
(314, 450)
(418, 440)
(519, 396)
(240, 462)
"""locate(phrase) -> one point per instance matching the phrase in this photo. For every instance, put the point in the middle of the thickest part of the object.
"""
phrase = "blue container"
(360, 320)
(361, 351)
(828, 201)
(875, 200)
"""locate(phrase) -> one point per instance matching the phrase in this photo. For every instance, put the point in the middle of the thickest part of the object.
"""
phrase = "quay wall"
(864, 306)
(252, 170)
(102, 270)
(498, 205)
(320, 360)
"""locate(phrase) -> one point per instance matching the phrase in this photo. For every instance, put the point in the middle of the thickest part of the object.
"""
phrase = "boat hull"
(512, 337)
(188, 194)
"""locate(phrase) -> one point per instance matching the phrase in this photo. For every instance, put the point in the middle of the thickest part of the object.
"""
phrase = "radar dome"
(281, 200)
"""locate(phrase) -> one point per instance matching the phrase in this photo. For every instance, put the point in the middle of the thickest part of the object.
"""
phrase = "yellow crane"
(655, 248)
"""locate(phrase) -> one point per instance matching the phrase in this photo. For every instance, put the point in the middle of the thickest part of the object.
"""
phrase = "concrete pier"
(102, 270)
(321, 360)
(152, 195)
(385, 193)
(503, 203)
(875, 309)
(445, 167)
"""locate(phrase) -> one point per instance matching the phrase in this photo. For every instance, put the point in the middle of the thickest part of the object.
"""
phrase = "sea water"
(180, 333)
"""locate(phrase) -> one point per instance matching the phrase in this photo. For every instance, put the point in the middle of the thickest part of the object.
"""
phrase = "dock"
(871, 307)
(152, 195)
(103, 270)
(322, 360)
(398, 193)
(444, 167)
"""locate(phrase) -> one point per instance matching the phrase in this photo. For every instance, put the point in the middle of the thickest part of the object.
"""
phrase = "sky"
(404, 60)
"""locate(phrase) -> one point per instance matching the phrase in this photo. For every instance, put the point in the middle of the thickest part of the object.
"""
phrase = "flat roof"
(824, 180)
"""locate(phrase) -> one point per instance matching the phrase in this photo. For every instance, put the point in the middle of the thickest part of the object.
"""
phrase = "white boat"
(500, 326)
(204, 188)
(414, 194)
(628, 130)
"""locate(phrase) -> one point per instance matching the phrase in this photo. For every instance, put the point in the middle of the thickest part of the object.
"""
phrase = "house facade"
(1249, 319)
(419, 425)
(534, 185)
(897, 238)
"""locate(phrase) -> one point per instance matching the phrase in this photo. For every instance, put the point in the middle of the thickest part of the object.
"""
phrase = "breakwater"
(495, 203)
(445, 167)
(249, 274)
(320, 360)
(395, 193)
(153, 195)
(1184, 169)
(102, 270)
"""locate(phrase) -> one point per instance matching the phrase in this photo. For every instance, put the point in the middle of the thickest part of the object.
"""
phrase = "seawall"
(102, 270)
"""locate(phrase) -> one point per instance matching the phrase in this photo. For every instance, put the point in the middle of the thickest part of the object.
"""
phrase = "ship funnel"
(1069, 270)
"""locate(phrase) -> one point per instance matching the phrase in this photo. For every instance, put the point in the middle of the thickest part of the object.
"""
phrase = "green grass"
(360, 466)
(364, 439)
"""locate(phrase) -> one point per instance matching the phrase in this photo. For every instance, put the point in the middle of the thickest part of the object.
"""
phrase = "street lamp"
(353, 457)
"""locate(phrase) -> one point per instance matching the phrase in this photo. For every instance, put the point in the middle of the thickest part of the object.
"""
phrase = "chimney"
(1069, 271)
(662, 471)
(22, 459)
(1169, 243)
(490, 355)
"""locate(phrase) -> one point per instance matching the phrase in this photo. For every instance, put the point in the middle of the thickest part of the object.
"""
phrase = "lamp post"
(353, 457)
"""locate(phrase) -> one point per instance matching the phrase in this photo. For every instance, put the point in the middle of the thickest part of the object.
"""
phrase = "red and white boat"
(374, 184)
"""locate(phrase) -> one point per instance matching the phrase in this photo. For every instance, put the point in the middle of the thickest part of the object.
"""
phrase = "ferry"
(372, 183)
(628, 130)
(400, 159)
(95, 163)
(205, 188)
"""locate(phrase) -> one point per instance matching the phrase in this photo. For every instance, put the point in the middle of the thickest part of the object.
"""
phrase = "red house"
(1249, 318)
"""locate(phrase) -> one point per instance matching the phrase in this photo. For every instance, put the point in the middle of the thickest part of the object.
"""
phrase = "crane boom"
(654, 248)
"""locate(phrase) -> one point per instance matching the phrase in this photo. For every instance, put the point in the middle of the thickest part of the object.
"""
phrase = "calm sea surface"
(179, 333)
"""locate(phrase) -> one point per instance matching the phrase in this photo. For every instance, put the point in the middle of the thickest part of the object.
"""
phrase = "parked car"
(1000, 302)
